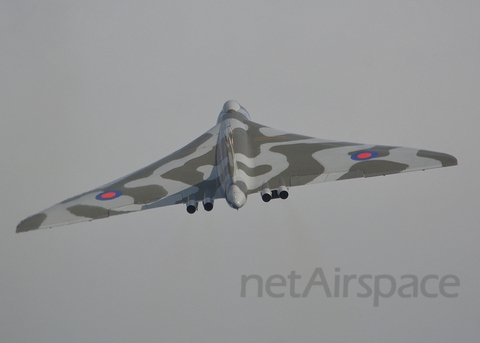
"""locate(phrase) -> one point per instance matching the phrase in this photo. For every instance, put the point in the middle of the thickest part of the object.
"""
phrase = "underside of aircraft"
(235, 158)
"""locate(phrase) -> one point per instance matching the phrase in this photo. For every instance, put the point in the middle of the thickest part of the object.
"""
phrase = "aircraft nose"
(231, 105)
(235, 197)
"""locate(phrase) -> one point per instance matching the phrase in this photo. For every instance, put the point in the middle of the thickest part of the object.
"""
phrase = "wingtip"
(445, 159)
(31, 223)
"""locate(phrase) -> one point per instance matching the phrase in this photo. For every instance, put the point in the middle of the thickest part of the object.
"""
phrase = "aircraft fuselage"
(232, 139)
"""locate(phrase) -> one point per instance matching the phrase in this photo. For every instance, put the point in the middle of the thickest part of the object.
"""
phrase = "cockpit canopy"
(232, 106)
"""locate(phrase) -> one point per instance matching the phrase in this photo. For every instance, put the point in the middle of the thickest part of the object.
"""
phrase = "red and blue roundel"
(364, 155)
(108, 195)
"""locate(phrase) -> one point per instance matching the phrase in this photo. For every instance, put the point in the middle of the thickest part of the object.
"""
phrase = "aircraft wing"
(282, 158)
(165, 182)
(250, 155)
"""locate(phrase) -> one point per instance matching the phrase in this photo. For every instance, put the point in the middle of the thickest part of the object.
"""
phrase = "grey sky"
(91, 92)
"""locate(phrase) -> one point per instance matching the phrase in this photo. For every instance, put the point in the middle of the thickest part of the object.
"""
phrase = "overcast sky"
(91, 91)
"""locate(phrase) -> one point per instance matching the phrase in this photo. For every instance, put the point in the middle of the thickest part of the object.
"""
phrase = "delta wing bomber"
(235, 158)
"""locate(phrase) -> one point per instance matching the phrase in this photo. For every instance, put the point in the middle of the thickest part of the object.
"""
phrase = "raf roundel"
(108, 195)
(364, 155)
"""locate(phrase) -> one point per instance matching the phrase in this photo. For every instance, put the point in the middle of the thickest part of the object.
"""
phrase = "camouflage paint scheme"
(235, 158)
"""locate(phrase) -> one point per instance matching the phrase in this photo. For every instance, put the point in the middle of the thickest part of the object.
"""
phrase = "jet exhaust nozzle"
(192, 206)
(266, 194)
(208, 204)
(282, 192)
